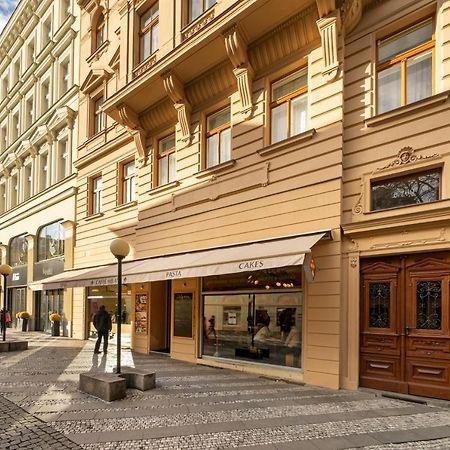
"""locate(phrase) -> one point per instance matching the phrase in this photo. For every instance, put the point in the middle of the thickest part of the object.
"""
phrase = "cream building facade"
(279, 171)
(39, 50)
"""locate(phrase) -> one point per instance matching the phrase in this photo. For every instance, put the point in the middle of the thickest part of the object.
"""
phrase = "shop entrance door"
(405, 336)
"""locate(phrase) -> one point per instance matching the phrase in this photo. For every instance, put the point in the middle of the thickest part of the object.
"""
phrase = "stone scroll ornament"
(175, 91)
(243, 71)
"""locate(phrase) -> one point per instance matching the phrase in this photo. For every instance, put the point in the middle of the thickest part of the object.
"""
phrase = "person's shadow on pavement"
(96, 367)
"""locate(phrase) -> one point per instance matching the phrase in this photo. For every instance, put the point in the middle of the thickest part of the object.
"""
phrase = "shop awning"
(288, 251)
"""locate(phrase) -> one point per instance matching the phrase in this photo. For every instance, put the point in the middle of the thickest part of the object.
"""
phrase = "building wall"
(266, 191)
(39, 51)
(372, 149)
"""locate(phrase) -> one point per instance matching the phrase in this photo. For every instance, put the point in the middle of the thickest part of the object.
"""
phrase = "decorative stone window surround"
(190, 29)
(407, 162)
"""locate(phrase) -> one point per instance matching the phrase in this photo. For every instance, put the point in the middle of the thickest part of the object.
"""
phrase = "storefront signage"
(141, 308)
(173, 274)
(251, 265)
(182, 314)
(48, 268)
(309, 267)
(106, 281)
(18, 276)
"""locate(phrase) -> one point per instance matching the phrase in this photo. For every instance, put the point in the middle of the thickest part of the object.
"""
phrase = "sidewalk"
(193, 407)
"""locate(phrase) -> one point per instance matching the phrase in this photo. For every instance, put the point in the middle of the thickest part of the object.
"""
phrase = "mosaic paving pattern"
(197, 407)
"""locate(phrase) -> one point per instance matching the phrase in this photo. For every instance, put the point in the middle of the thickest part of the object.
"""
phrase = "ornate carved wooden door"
(427, 327)
(405, 336)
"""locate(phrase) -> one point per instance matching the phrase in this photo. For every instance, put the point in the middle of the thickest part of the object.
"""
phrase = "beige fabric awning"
(288, 251)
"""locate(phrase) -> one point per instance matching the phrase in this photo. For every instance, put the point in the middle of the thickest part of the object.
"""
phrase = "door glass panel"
(429, 305)
(379, 305)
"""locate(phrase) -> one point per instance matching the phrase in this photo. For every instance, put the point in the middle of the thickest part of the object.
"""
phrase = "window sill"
(145, 65)
(125, 206)
(164, 187)
(219, 168)
(197, 24)
(93, 216)
(97, 53)
(408, 109)
(302, 137)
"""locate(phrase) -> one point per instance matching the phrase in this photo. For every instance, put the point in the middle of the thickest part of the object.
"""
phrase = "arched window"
(18, 248)
(51, 241)
(100, 31)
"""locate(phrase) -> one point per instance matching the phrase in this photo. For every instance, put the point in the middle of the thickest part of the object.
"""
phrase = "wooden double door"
(405, 336)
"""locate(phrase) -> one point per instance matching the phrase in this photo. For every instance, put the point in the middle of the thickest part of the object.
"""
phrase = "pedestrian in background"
(103, 325)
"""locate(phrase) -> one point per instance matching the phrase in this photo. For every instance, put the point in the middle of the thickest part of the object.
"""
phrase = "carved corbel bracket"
(130, 120)
(4, 170)
(351, 14)
(328, 28)
(175, 91)
(236, 48)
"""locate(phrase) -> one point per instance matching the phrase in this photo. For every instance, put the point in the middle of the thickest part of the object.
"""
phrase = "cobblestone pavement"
(194, 407)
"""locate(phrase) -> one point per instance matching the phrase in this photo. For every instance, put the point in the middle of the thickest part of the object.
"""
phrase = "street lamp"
(5, 270)
(119, 248)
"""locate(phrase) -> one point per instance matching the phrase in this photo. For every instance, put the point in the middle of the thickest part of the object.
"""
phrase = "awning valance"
(288, 251)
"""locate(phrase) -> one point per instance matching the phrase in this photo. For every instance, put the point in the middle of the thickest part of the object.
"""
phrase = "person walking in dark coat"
(103, 325)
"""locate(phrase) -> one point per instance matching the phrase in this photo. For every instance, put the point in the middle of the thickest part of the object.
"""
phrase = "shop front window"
(52, 301)
(261, 323)
(51, 241)
(18, 249)
(107, 296)
(17, 303)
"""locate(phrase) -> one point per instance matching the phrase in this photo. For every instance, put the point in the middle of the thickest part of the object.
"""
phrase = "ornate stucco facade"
(39, 53)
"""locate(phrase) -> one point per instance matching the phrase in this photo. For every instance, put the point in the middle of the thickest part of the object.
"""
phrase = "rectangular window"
(2, 197)
(3, 137)
(15, 127)
(96, 195)
(28, 113)
(218, 137)
(45, 96)
(46, 31)
(405, 67)
(63, 159)
(259, 318)
(16, 71)
(64, 77)
(166, 160)
(4, 87)
(14, 191)
(44, 171)
(289, 106)
(30, 53)
(149, 32)
(28, 180)
(198, 7)
(128, 182)
(99, 120)
(411, 189)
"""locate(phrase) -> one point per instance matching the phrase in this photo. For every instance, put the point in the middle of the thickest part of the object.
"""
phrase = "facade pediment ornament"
(236, 48)
(130, 120)
(42, 133)
(94, 79)
(406, 156)
(175, 91)
(64, 116)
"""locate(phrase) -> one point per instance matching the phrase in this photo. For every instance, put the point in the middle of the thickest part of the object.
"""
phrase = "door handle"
(407, 330)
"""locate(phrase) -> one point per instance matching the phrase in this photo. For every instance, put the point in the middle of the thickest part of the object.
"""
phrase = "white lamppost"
(5, 270)
(119, 248)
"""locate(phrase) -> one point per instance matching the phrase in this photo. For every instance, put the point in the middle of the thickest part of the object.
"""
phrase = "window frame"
(147, 29)
(287, 99)
(38, 250)
(99, 31)
(190, 19)
(14, 240)
(97, 114)
(165, 154)
(95, 195)
(402, 176)
(218, 130)
(402, 59)
(123, 180)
